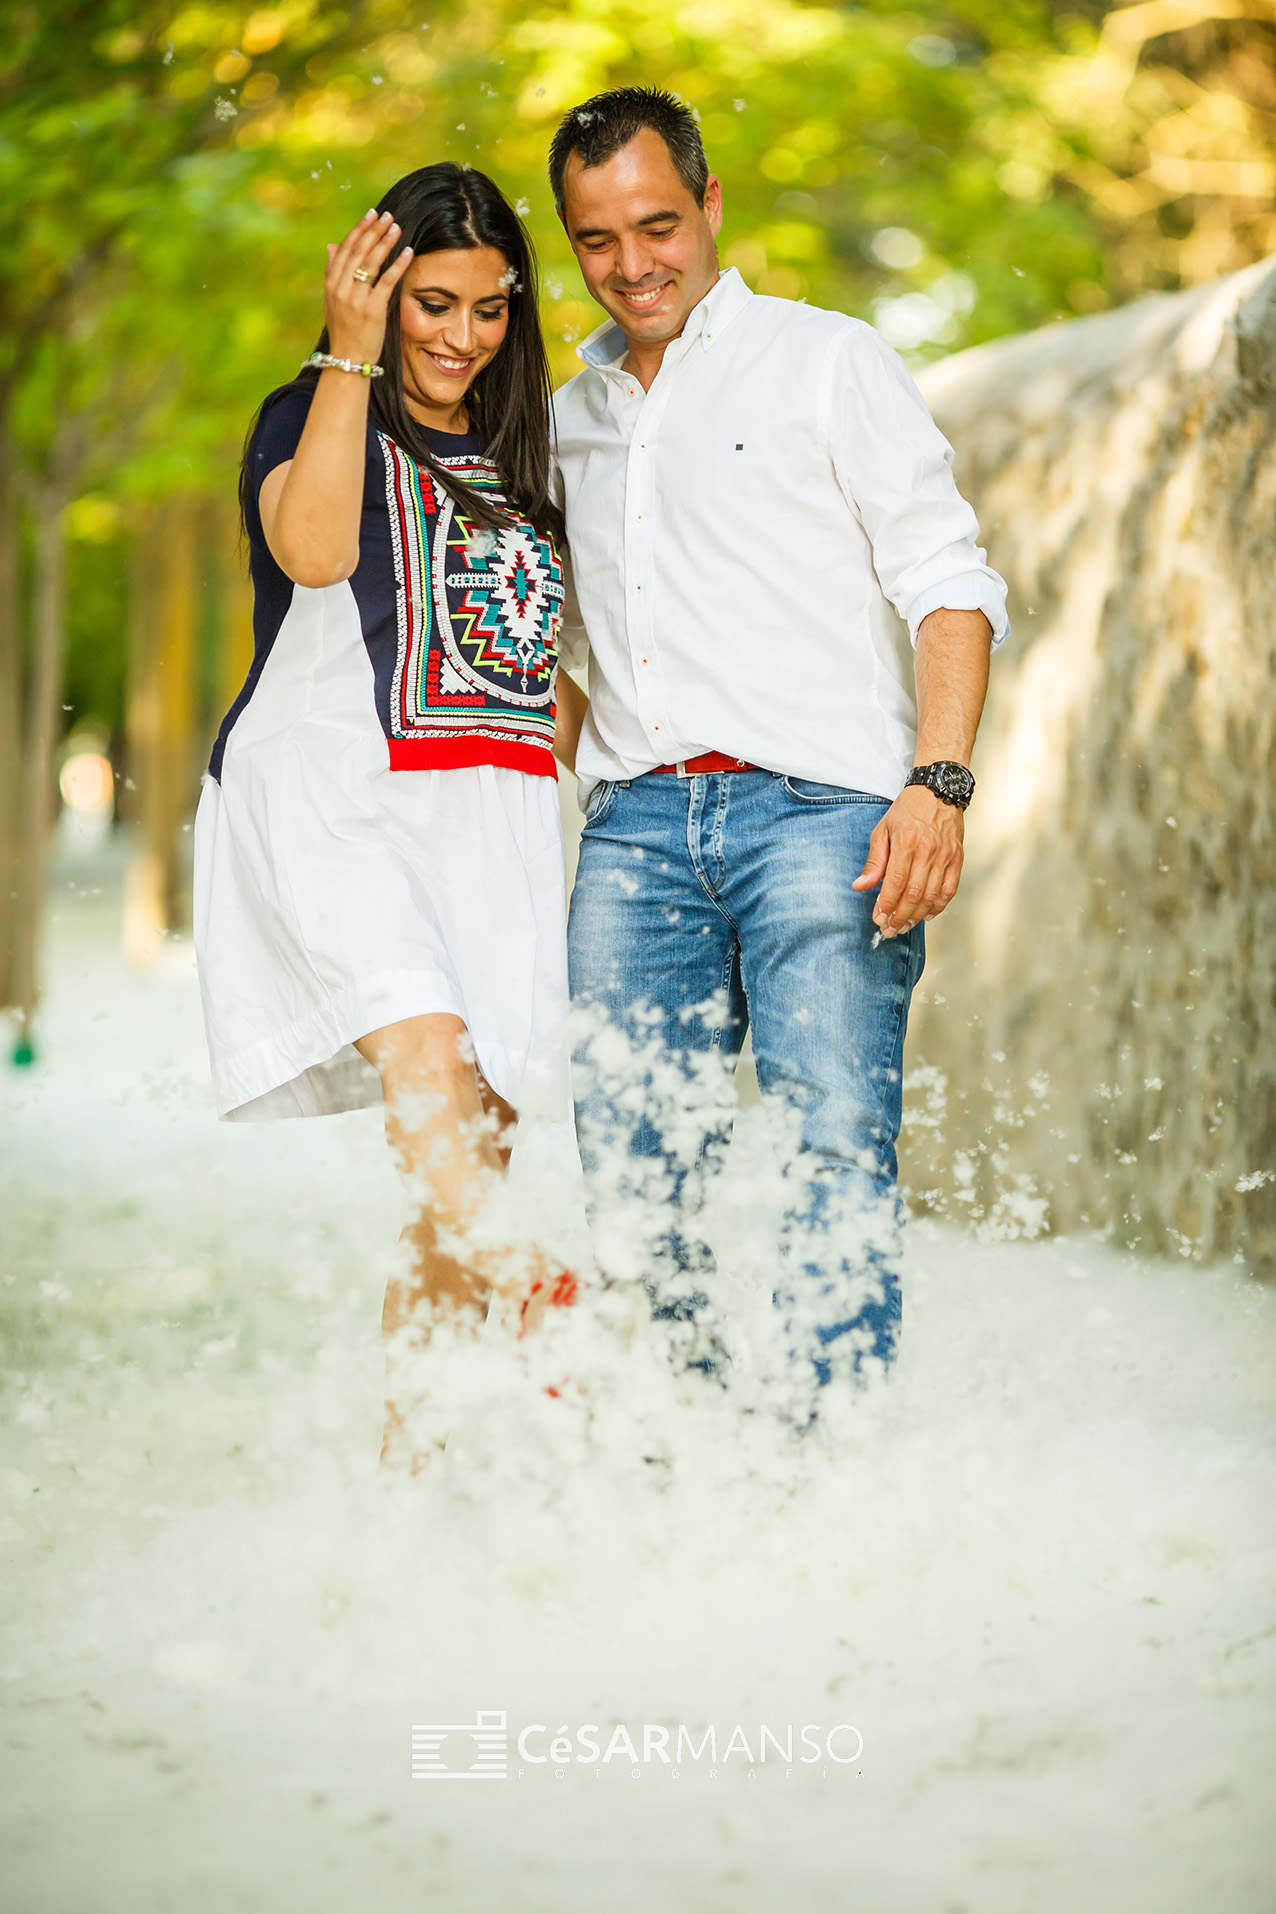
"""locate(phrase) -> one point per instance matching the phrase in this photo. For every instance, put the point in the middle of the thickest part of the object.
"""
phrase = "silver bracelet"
(325, 359)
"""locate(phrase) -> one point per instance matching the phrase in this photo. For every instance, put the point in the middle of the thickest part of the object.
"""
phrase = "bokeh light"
(87, 784)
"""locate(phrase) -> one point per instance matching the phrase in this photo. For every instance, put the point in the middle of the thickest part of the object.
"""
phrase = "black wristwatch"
(951, 782)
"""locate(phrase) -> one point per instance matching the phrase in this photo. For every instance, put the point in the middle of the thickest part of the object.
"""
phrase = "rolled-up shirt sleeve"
(894, 466)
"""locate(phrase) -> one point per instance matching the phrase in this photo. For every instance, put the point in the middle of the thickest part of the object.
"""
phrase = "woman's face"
(454, 311)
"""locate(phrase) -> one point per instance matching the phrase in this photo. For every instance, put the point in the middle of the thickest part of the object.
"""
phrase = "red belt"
(706, 762)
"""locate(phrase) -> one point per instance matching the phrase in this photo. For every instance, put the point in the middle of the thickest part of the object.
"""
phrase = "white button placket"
(640, 559)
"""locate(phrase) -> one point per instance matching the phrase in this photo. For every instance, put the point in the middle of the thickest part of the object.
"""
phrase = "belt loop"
(680, 766)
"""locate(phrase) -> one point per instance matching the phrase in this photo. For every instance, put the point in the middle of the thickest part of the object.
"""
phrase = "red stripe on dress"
(457, 754)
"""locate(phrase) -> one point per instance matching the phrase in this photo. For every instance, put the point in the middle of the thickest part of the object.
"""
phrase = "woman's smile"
(452, 367)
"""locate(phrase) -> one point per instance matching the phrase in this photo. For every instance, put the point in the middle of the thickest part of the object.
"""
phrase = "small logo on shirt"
(739, 448)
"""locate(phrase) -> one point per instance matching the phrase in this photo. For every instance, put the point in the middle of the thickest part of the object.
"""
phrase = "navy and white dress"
(379, 835)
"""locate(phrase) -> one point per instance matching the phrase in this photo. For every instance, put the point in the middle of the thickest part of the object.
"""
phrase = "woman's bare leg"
(502, 1119)
(451, 1136)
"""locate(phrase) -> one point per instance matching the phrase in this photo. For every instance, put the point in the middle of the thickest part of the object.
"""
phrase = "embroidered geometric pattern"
(479, 614)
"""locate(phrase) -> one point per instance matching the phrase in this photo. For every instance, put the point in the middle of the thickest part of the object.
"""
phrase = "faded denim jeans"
(706, 906)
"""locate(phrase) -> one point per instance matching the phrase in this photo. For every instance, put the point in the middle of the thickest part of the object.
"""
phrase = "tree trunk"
(43, 730)
(10, 712)
(1098, 1012)
(161, 710)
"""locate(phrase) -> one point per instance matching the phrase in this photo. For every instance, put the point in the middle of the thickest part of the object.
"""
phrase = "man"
(750, 487)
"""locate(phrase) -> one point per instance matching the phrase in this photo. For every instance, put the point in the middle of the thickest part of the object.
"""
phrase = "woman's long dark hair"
(450, 208)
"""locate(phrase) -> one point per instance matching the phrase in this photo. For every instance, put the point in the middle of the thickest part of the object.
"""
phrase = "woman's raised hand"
(355, 306)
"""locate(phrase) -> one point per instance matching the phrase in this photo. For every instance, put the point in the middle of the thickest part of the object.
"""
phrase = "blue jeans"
(706, 906)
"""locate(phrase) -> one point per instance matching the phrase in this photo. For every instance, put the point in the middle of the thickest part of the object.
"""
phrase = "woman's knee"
(431, 1051)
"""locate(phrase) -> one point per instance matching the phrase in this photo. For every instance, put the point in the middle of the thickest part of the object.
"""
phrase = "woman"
(378, 854)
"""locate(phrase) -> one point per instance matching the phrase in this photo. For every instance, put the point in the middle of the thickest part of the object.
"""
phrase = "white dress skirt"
(334, 896)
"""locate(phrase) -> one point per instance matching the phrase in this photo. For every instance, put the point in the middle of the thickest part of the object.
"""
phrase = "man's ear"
(713, 204)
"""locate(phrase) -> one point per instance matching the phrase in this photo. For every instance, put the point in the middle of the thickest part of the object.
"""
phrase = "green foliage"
(170, 171)
(168, 175)
(97, 628)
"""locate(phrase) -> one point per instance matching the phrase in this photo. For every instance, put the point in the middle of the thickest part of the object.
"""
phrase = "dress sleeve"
(279, 429)
(894, 466)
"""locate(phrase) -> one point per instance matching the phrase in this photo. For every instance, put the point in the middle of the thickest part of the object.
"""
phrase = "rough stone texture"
(1097, 1024)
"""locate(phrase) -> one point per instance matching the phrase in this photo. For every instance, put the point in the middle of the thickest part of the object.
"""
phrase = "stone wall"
(1095, 1039)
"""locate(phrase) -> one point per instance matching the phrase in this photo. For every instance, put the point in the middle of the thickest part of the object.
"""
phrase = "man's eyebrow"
(604, 232)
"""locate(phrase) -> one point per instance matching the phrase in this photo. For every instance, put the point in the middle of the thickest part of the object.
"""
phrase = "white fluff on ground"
(1035, 1572)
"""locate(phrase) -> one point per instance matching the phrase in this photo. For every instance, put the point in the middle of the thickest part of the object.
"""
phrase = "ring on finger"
(359, 273)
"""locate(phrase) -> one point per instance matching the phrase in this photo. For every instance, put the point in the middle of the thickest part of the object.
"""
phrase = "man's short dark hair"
(601, 126)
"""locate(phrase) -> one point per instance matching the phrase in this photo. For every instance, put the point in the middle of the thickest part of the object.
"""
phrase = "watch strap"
(951, 782)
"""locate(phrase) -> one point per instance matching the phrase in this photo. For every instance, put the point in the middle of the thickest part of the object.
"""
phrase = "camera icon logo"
(432, 1760)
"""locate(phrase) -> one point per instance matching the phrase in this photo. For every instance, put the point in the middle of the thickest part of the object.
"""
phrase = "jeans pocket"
(807, 791)
(601, 799)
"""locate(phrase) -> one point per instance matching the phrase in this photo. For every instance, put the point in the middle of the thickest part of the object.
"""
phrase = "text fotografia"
(479, 1750)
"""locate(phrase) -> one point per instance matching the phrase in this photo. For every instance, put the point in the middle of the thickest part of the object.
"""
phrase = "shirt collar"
(606, 347)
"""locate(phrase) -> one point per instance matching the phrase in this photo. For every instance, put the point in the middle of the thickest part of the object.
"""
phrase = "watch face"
(950, 781)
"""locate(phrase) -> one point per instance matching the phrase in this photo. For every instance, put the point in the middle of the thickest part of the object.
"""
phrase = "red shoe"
(563, 1292)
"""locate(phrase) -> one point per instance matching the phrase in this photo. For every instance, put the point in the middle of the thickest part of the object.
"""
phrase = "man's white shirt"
(746, 539)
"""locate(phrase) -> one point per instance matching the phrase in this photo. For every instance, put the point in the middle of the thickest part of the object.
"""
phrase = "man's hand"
(915, 854)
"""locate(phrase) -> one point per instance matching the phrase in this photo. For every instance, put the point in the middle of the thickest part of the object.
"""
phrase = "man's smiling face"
(645, 248)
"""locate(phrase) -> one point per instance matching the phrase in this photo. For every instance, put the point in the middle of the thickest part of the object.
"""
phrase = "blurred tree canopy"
(171, 169)
(169, 173)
